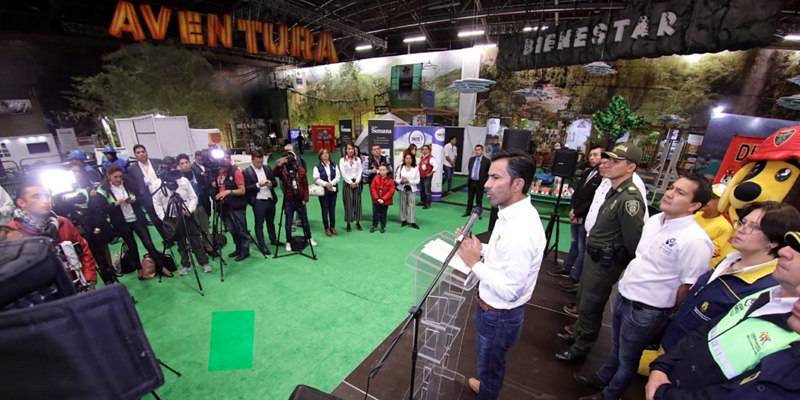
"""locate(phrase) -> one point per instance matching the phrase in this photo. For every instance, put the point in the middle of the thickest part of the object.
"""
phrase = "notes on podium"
(439, 249)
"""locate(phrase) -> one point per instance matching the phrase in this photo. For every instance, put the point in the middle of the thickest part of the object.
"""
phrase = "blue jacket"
(777, 377)
(122, 163)
(705, 301)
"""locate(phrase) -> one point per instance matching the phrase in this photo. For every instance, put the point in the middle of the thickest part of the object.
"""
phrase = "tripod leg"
(169, 368)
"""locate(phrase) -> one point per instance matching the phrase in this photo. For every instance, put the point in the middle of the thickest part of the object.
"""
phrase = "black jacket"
(584, 193)
(776, 377)
(136, 173)
(251, 183)
(115, 215)
(483, 173)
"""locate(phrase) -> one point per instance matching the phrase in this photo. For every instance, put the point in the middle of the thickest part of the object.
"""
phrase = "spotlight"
(57, 181)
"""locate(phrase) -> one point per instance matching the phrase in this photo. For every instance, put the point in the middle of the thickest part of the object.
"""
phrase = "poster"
(323, 137)
(66, 139)
(740, 148)
(404, 136)
(381, 132)
(345, 131)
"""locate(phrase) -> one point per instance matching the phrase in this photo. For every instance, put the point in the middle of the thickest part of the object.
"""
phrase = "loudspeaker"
(516, 139)
(303, 392)
(565, 161)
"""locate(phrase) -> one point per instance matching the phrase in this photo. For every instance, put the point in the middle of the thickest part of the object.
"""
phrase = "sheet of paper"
(439, 249)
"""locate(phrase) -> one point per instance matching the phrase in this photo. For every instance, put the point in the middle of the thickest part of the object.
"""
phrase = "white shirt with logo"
(449, 151)
(670, 253)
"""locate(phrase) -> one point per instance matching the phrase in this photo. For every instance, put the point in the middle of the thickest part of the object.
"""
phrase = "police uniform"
(611, 245)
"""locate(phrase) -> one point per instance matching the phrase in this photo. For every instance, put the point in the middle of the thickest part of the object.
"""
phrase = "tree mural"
(617, 120)
(143, 78)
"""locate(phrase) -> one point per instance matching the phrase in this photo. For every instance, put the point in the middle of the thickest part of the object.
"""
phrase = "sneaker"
(313, 243)
(288, 247)
(383, 229)
(206, 268)
(560, 273)
(373, 229)
(184, 271)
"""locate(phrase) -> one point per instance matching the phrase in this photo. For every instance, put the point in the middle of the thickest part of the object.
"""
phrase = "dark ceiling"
(382, 23)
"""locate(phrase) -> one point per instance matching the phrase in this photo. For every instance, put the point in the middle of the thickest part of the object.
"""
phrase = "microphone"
(476, 214)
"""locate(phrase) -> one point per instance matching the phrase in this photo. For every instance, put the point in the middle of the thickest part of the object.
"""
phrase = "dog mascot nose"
(747, 191)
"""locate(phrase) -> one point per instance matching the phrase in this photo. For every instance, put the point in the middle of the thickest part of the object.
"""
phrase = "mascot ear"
(724, 200)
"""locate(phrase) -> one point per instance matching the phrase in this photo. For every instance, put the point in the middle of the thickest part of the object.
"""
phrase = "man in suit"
(260, 186)
(374, 161)
(478, 175)
(143, 173)
(578, 208)
(202, 181)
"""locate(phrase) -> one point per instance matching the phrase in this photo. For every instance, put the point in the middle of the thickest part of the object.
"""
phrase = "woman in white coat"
(407, 179)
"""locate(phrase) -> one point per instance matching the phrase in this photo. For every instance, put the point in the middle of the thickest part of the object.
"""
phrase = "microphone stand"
(416, 311)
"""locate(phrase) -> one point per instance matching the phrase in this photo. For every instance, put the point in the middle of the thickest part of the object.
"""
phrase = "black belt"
(641, 306)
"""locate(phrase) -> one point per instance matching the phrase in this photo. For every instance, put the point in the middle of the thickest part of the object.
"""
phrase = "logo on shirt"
(704, 307)
(764, 337)
(670, 242)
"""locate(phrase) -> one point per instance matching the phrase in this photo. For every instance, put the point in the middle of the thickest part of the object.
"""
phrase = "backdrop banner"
(381, 132)
(345, 131)
(404, 136)
(645, 29)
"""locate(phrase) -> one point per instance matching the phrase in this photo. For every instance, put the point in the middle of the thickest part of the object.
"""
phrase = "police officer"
(611, 245)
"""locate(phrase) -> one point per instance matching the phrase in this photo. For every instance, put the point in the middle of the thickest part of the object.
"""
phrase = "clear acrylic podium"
(444, 319)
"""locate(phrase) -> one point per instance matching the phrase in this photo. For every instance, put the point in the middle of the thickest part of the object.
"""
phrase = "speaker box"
(565, 162)
(516, 139)
(303, 392)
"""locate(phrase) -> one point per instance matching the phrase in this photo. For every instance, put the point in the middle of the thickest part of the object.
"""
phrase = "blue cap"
(76, 155)
(109, 149)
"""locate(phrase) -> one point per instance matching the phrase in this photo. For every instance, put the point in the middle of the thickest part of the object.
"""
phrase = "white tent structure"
(361, 141)
(162, 136)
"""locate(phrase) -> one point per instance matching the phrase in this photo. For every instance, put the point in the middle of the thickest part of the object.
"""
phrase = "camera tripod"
(176, 207)
(219, 208)
(171, 370)
(306, 232)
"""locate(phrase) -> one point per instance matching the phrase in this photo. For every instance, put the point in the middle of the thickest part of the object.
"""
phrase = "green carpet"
(310, 322)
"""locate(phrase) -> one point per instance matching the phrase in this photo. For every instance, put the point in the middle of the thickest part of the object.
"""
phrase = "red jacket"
(67, 232)
(384, 187)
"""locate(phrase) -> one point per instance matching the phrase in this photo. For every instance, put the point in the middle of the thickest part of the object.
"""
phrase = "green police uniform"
(611, 245)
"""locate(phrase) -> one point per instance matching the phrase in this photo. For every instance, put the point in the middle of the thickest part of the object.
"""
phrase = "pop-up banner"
(405, 136)
(381, 133)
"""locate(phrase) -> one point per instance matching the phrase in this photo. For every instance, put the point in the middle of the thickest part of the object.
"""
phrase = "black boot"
(348, 228)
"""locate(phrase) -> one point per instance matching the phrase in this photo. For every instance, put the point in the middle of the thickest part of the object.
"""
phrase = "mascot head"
(770, 173)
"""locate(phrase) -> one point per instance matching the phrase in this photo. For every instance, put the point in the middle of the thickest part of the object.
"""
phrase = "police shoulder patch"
(632, 188)
(632, 207)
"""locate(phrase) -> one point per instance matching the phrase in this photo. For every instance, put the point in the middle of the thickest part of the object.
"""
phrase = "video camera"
(214, 160)
(169, 177)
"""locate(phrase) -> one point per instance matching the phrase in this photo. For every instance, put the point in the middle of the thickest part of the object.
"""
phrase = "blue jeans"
(577, 251)
(328, 205)
(634, 327)
(289, 207)
(238, 228)
(448, 177)
(497, 332)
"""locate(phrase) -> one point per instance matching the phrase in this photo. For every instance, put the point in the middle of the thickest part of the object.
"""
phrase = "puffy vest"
(738, 342)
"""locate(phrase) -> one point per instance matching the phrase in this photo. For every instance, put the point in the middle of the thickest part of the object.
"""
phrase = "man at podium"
(509, 267)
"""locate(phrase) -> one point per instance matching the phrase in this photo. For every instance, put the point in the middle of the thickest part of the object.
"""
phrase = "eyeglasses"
(745, 227)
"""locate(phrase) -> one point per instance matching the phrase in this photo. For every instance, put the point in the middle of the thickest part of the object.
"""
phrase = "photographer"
(294, 184)
(178, 228)
(119, 202)
(230, 183)
(199, 184)
(34, 217)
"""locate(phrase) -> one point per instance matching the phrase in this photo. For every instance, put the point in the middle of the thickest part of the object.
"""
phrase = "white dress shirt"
(512, 258)
(723, 268)
(412, 176)
(776, 305)
(186, 192)
(600, 198)
(318, 180)
(149, 175)
(452, 151)
(670, 253)
(127, 210)
(350, 174)
(264, 192)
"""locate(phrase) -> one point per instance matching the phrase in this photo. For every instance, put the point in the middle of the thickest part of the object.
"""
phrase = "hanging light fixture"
(790, 102)
(599, 68)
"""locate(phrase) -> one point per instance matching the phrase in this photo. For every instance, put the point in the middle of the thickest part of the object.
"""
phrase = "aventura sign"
(645, 29)
(275, 39)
